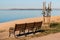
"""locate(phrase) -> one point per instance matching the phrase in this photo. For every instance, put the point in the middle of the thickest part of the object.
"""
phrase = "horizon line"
(26, 9)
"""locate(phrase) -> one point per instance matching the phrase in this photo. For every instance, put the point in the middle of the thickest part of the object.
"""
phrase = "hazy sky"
(6, 4)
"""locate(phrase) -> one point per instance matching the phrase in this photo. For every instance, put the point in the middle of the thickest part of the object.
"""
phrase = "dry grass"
(1, 31)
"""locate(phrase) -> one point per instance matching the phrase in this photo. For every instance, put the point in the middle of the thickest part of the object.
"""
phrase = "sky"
(7, 4)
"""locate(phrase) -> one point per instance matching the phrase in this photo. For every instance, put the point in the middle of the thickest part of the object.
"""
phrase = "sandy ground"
(5, 26)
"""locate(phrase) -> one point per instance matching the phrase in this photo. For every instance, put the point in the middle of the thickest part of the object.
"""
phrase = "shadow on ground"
(30, 33)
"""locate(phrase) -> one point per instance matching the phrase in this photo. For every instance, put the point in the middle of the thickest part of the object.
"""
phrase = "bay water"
(11, 15)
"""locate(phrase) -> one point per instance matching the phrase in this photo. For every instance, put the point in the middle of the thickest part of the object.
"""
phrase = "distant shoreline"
(26, 9)
(20, 9)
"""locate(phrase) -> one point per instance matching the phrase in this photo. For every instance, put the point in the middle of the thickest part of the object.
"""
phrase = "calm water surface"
(9, 15)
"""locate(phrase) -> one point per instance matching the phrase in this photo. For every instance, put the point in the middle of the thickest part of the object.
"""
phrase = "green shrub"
(53, 25)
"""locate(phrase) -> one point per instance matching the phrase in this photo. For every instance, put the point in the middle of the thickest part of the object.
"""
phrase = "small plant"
(2, 31)
(53, 25)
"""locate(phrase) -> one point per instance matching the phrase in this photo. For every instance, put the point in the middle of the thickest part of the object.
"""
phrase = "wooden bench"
(27, 26)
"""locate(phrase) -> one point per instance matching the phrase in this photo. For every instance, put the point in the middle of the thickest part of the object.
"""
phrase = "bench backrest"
(19, 27)
(25, 26)
(29, 25)
(38, 24)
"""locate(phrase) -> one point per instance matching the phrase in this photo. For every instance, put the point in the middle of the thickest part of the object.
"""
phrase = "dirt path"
(55, 36)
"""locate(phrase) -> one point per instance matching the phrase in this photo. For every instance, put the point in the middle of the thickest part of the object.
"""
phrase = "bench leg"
(9, 34)
(19, 32)
(28, 31)
(15, 35)
(24, 32)
(33, 32)
(36, 29)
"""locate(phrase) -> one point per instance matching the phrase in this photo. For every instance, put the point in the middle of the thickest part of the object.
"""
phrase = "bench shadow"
(30, 33)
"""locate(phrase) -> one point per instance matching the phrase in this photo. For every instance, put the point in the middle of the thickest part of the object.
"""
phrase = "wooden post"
(46, 16)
